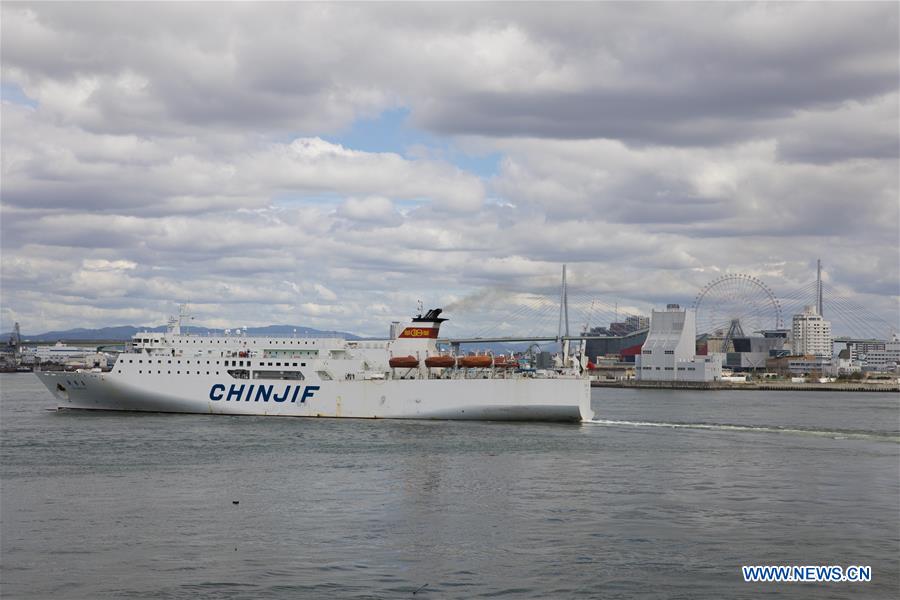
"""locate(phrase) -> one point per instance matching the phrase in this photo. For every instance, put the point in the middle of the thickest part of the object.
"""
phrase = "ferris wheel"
(736, 304)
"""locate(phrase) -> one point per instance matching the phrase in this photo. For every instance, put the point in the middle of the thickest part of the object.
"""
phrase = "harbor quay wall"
(762, 386)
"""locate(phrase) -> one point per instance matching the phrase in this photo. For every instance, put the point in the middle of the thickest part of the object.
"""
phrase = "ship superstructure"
(405, 376)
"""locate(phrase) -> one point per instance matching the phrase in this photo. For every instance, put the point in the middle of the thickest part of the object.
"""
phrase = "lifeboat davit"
(479, 362)
(403, 362)
(440, 361)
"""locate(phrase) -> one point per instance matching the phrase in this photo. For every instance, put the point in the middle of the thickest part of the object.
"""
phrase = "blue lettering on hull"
(287, 390)
(235, 393)
(264, 392)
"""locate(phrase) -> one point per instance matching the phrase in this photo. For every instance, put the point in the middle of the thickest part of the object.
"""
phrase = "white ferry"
(404, 377)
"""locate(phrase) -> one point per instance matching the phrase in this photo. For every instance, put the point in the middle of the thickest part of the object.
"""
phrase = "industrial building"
(631, 324)
(751, 352)
(60, 354)
(10, 350)
(624, 348)
(669, 352)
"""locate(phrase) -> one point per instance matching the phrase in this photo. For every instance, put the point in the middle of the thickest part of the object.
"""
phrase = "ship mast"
(563, 308)
(174, 325)
(564, 319)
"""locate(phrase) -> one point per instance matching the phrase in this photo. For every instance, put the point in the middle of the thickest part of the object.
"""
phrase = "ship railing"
(487, 373)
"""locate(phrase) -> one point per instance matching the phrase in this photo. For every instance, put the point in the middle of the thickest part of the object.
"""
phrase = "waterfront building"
(711, 343)
(809, 364)
(669, 352)
(59, 353)
(886, 359)
(873, 354)
(859, 349)
(811, 334)
(611, 369)
(752, 352)
(844, 364)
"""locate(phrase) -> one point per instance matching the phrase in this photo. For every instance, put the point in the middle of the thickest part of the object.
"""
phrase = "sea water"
(665, 495)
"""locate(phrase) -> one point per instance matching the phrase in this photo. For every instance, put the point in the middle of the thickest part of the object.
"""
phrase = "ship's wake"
(830, 433)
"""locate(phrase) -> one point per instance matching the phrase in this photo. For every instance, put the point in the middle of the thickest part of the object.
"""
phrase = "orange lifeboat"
(403, 362)
(479, 362)
(501, 362)
(440, 361)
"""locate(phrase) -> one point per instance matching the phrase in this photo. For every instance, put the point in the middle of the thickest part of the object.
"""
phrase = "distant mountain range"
(125, 332)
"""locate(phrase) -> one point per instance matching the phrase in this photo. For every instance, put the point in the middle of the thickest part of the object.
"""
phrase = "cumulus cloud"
(168, 153)
(671, 73)
(55, 167)
(371, 209)
(108, 265)
(737, 190)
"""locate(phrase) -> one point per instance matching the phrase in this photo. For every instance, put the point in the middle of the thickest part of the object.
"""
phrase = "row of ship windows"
(669, 368)
(651, 351)
(245, 374)
(232, 363)
(202, 341)
(240, 363)
(168, 372)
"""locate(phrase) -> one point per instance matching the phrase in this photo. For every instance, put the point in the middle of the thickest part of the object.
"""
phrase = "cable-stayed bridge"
(519, 317)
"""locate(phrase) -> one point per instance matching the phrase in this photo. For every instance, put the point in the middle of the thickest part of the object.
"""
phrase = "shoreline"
(761, 386)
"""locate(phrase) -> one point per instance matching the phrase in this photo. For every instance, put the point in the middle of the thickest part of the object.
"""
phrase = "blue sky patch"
(12, 92)
(391, 131)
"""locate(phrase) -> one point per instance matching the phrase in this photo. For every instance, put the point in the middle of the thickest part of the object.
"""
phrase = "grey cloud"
(671, 74)
(622, 263)
(854, 130)
(165, 176)
(690, 77)
(740, 190)
(649, 146)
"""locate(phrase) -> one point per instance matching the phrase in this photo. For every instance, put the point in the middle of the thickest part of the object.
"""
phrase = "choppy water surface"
(666, 495)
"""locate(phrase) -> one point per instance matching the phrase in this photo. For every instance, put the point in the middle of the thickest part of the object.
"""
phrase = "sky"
(330, 165)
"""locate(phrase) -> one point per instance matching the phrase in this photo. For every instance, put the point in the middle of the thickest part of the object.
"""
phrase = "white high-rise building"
(812, 334)
(668, 354)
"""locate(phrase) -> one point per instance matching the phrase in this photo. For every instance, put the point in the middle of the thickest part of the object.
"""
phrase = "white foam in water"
(838, 435)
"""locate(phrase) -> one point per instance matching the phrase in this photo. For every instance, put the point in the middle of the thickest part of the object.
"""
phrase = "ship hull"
(513, 399)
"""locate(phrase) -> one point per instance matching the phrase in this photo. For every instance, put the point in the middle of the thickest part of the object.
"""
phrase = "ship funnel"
(419, 327)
